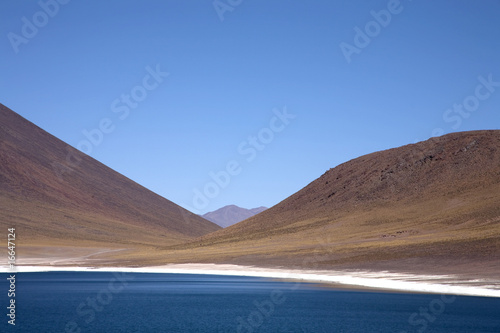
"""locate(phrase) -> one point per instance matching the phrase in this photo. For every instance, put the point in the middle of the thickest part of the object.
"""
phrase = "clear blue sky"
(67, 68)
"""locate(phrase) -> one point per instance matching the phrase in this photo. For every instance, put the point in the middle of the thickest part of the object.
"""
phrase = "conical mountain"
(54, 195)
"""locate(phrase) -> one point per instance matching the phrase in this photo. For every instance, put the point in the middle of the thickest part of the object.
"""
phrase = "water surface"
(152, 302)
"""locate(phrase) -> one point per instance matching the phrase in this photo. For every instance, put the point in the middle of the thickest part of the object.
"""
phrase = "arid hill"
(433, 206)
(231, 214)
(54, 195)
(430, 207)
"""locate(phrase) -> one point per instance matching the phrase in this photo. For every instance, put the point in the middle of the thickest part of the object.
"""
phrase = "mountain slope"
(55, 195)
(231, 214)
(426, 207)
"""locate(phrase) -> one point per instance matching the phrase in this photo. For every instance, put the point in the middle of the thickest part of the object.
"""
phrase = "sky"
(210, 103)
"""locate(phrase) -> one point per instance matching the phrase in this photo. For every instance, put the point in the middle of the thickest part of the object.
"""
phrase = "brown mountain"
(231, 214)
(54, 195)
(429, 207)
(433, 206)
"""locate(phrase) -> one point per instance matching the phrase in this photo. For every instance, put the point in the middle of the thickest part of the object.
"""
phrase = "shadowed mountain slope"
(231, 214)
(55, 195)
(433, 206)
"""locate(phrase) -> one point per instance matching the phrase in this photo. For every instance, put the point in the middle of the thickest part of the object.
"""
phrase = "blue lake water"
(143, 302)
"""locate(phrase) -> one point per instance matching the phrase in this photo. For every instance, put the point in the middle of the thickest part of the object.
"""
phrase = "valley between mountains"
(425, 208)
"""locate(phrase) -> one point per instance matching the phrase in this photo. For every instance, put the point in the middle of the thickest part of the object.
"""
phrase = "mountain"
(426, 208)
(54, 195)
(231, 214)
(429, 207)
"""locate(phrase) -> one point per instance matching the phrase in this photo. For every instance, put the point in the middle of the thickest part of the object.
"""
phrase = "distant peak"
(231, 214)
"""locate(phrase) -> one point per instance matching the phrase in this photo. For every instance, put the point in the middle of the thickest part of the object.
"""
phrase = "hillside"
(431, 207)
(54, 195)
(231, 214)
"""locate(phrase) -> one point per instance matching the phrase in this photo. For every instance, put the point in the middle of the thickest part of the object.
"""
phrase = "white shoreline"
(440, 284)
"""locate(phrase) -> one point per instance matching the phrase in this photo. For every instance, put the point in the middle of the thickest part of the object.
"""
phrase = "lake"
(152, 302)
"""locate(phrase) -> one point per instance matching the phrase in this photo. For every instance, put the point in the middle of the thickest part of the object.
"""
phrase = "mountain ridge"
(392, 186)
(87, 204)
(426, 207)
(429, 207)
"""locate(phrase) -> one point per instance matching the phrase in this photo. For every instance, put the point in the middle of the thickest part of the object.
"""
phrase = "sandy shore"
(389, 281)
